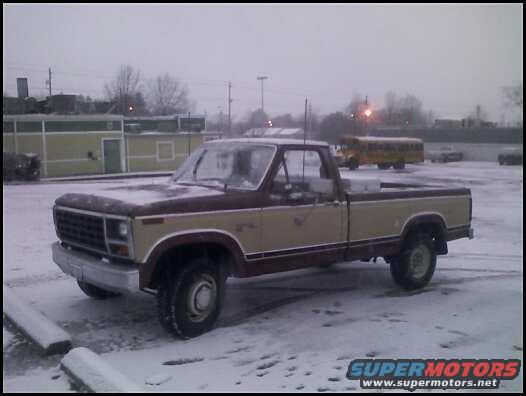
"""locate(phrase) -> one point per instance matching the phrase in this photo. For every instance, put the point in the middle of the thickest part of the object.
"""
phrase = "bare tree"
(168, 96)
(334, 126)
(124, 89)
(403, 111)
(513, 96)
(356, 105)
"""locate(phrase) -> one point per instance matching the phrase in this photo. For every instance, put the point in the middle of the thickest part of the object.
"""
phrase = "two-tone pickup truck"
(246, 207)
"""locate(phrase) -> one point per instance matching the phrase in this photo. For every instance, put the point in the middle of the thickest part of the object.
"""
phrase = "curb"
(48, 336)
(93, 373)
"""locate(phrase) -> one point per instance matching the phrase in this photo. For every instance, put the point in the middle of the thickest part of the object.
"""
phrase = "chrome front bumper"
(86, 268)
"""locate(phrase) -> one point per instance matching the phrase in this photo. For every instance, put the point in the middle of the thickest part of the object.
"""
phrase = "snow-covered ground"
(291, 331)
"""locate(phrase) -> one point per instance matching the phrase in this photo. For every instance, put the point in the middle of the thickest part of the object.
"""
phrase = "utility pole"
(310, 117)
(48, 83)
(262, 79)
(304, 141)
(229, 111)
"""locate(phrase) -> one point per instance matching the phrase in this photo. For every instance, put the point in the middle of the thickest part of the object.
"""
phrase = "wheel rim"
(201, 298)
(419, 261)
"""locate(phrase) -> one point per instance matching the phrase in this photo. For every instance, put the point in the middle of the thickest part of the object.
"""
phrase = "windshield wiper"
(197, 163)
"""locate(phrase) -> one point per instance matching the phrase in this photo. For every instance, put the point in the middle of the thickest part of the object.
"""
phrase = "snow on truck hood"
(144, 194)
(124, 200)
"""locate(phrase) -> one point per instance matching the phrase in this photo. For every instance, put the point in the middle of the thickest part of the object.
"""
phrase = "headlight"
(117, 229)
(123, 229)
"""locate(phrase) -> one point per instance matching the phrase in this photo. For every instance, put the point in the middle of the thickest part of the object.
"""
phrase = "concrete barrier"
(94, 374)
(49, 337)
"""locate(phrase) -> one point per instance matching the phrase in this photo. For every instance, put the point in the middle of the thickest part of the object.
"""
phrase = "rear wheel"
(384, 166)
(95, 291)
(189, 301)
(413, 268)
(399, 165)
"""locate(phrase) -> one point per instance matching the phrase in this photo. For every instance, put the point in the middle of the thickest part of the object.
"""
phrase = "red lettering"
(466, 367)
(481, 369)
(434, 369)
(496, 369)
(452, 369)
(511, 370)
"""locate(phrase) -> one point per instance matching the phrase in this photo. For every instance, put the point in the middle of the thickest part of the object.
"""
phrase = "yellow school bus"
(384, 152)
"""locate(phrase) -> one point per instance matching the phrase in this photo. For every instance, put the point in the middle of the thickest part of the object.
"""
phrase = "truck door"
(305, 214)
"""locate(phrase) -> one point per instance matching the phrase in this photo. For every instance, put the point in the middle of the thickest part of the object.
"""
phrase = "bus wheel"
(399, 165)
(384, 166)
(353, 164)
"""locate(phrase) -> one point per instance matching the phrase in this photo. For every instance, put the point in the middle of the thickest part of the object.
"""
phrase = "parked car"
(242, 208)
(21, 166)
(510, 156)
(445, 154)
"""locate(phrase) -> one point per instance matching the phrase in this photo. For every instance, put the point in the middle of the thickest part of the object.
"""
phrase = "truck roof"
(277, 142)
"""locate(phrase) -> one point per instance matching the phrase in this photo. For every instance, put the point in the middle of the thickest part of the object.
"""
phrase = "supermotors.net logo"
(414, 374)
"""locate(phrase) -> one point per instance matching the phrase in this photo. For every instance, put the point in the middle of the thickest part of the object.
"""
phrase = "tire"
(413, 268)
(353, 164)
(399, 165)
(96, 292)
(384, 166)
(179, 312)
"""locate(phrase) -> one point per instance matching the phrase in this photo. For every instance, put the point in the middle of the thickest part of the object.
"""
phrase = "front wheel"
(413, 268)
(96, 292)
(189, 301)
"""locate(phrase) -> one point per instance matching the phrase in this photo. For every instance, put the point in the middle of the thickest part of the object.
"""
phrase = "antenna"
(304, 141)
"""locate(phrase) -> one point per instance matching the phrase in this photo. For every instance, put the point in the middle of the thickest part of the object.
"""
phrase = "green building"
(99, 144)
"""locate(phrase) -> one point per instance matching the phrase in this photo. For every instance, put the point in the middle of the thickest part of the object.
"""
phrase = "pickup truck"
(247, 207)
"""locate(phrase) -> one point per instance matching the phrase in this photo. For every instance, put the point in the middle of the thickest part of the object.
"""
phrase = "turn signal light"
(119, 250)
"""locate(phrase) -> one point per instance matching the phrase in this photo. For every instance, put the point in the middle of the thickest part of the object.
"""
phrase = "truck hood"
(153, 199)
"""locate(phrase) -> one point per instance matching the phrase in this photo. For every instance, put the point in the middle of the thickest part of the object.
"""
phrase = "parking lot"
(291, 331)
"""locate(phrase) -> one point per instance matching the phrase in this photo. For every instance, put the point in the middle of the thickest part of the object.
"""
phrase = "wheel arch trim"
(192, 237)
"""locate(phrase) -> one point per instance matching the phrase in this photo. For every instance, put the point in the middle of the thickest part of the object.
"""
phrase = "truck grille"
(79, 228)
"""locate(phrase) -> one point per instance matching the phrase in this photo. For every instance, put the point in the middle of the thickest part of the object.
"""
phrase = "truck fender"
(433, 221)
(198, 237)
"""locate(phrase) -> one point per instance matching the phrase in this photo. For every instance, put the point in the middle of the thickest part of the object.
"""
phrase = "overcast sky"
(450, 56)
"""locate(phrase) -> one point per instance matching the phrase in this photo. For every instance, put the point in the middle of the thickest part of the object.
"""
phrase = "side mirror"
(321, 186)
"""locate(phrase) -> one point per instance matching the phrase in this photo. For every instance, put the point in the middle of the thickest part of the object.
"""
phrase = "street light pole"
(262, 79)
(367, 113)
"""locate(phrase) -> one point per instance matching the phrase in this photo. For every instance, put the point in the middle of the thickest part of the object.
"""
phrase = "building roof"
(456, 135)
(54, 117)
(276, 142)
(386, 139)
(275, 132)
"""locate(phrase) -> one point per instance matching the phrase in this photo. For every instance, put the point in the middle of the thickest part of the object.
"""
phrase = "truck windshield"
(229, 165)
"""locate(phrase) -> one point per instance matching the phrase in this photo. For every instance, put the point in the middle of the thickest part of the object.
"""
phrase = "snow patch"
(94, 373)
(46, 334)
(158, 379)
(7, 337)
